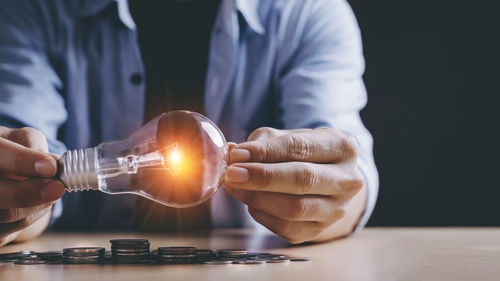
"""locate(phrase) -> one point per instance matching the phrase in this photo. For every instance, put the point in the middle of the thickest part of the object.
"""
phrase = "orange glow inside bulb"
(174, 165)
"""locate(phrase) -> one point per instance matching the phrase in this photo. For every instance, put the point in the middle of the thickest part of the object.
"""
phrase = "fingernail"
(45, 167)
(237, 174)
(240, 155)
(52, 191)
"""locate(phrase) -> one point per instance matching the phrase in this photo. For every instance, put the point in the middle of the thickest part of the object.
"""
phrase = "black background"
(433, 86)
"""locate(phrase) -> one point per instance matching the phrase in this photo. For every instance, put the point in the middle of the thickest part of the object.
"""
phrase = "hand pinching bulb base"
(77, 169)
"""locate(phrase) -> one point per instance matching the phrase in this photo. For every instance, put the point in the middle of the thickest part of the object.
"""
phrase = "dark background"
(433, 87)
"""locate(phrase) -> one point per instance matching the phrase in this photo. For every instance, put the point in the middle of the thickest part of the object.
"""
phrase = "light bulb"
(177, 159)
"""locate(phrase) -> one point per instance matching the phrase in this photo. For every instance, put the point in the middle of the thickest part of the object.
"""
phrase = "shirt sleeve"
(323, 86)
(30, 89)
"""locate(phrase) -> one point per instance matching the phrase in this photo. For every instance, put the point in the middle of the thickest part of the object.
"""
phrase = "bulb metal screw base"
(78, 169)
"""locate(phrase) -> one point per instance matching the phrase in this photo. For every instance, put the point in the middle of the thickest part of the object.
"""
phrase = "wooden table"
(374, 254)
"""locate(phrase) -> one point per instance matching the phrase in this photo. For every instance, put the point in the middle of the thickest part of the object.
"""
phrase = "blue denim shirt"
(66, 68)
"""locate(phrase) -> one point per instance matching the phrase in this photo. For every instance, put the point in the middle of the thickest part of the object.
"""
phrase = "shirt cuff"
(372, 184)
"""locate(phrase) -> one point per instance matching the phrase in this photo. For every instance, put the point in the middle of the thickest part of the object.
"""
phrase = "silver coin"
(278, 260)
(176, 250)
(250, 262)
(297, 259)
(129, 241)
(129, 249)
(217, 262)
(90, 258)
(83, 260)
(83, 251)
(50, 255)
(16, 255)
(176, 256)
(232, 252)
(29, 262)
(142, 253)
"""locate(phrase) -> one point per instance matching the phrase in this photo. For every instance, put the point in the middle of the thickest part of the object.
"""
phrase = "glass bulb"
(177, 159)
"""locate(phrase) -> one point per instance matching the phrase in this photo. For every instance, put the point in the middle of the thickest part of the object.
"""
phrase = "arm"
(313, 184)
(29, 97)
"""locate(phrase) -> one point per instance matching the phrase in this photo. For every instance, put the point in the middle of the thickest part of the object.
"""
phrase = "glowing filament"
(174, 165)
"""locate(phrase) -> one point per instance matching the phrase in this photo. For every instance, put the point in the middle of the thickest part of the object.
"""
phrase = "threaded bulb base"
(78, 169)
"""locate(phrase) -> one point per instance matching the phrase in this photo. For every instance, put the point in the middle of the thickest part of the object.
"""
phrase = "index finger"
(20, 160)
(321, 145)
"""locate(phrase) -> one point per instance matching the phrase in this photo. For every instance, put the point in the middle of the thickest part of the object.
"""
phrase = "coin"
(16, 255)
(204, 255)
(300, 259)
(278, 260)
(129, 241)
(231, 254)
(175, 250)
(250, 262)
(50, 256)
(217, 262)
(83, 255)
(83, 260)
(83, 251)
(30, 262)
(176, 255)
(130, 251)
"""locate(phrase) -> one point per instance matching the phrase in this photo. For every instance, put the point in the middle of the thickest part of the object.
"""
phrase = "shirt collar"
(88, 8)
(247, 8)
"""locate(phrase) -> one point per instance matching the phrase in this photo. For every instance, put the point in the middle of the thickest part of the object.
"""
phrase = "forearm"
(347, 224)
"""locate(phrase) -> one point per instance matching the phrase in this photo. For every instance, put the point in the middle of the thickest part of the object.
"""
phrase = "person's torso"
(99, 59)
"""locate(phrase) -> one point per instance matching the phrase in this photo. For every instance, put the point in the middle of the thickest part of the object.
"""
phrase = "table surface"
(373, 254)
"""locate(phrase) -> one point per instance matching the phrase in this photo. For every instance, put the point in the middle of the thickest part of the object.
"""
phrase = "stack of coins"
(204, 255)
(177, 255)
(15, 256)
(81, 255)
(232, 254)
(130, 251)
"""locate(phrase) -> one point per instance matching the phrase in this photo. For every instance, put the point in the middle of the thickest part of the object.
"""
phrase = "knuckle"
(299, 147)
(261, 152)
(264, 176)
(28, 133)
(261, 132)
(349, 146)
(298, 208)
(306, 178)
(355, 180)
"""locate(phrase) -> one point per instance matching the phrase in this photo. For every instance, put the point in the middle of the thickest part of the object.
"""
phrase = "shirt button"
(136, 78)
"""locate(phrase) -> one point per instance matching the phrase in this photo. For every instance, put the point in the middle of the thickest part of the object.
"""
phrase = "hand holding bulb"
(302, 184)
